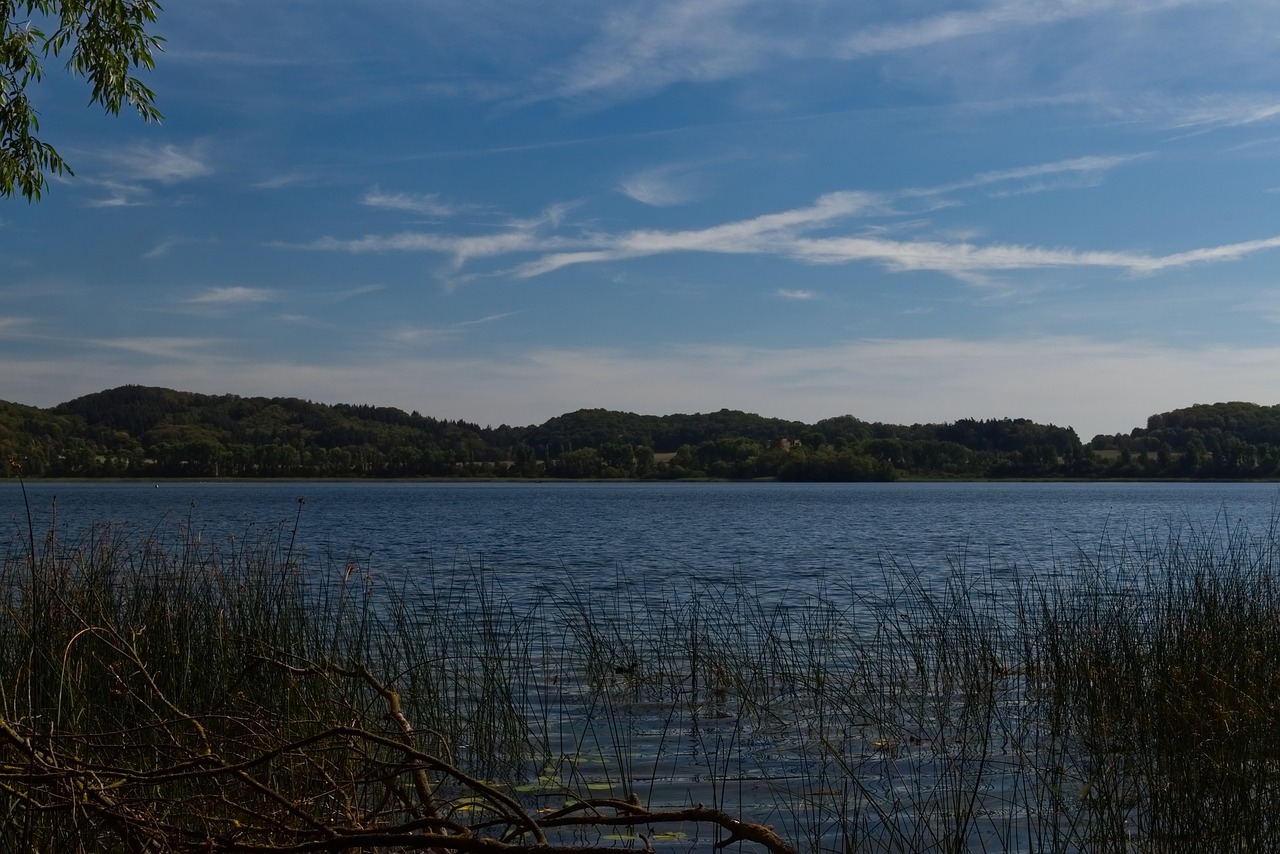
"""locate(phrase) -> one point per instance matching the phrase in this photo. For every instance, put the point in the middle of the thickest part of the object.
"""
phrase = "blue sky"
(501, 211)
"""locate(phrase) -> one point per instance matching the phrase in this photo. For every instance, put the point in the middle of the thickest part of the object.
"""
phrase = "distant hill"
(141, 431)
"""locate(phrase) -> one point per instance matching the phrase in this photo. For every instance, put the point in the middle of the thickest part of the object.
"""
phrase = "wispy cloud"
(132, 172)
(787, 294)
(284, 180)
(163, 247)
(420, 336)
(960, 259)
(1078, 171)
(760, 235)
(516, 236)
(663, 186)
(461, 248)
(164, 348)
(165, 164)
(306, 320)
(429, 336)
(642, 48)
(233, 295)
(949, 26)
(9, 325)
(358, 291)
(1223, 110)
(423, 203)
(991, 19)
(1206, 255)
(119, 196)
(645, 47)
(803, 234)
(487, 319)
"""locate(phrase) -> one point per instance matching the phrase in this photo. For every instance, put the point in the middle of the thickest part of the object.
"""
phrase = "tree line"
(139, 431)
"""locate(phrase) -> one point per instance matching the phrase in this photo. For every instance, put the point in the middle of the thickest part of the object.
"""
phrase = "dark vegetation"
(137, 431)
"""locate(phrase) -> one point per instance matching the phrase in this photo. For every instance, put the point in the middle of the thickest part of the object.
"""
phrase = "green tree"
(620, 456)
(1194, 456)
(644, 461)
(104, 42)
(278, 460)
(685, 463)
(524, 461)
(584, 463)
(404, 461)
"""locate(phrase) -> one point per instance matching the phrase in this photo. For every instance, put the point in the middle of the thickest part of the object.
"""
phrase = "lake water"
(635, 545)
(775, 537)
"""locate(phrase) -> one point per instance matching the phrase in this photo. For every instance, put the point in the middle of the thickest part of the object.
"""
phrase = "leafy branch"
(105, 42)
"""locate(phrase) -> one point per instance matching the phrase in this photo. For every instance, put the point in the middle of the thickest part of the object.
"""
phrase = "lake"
(795, 714)
(779, 538)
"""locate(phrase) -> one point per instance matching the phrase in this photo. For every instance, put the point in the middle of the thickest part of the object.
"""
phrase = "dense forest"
(138, 431)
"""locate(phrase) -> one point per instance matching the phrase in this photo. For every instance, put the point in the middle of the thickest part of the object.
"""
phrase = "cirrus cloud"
(233, 295)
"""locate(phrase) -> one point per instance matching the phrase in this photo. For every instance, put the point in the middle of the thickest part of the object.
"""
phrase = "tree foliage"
(138, 431)
(104, 42)
(1218, 440)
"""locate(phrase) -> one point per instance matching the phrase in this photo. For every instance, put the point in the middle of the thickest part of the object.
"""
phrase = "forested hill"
(138, 431)
(1228, 440)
